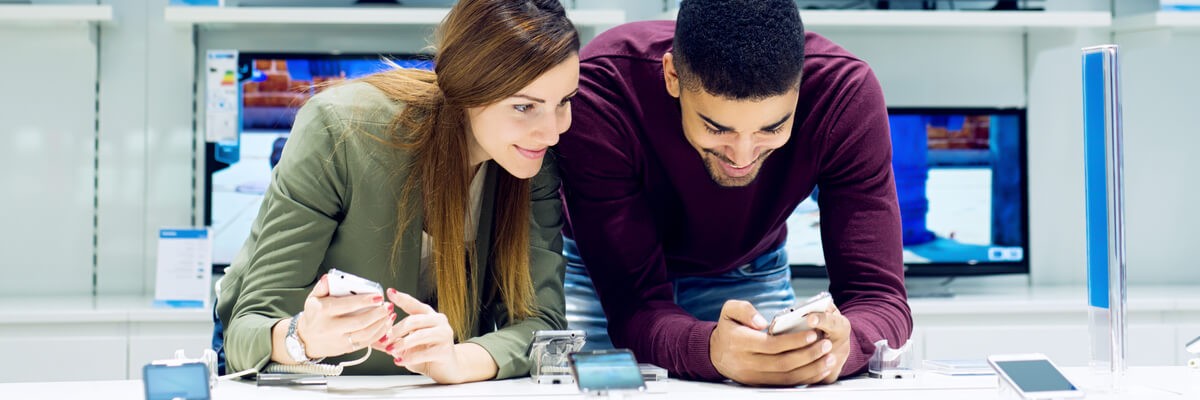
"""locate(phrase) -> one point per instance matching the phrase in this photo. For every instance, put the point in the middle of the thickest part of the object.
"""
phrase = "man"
(692, 142)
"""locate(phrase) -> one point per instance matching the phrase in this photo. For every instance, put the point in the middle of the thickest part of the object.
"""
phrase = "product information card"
(184, 276)
(221, 103)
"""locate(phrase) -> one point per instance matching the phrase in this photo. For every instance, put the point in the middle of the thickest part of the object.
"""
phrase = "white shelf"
(967, 20)
(103, 309)
(349, 16)
(1158, 20)
(24, 13)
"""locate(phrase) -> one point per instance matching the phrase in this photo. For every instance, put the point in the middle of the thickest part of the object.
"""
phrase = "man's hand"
(741, 351)
(836, 329)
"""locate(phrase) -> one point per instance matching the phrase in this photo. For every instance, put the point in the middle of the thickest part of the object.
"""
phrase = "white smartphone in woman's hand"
(793, 319)
(343, 283)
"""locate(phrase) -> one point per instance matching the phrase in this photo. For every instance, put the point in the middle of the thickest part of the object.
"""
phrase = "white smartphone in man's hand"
(793, 319)
(343, 283)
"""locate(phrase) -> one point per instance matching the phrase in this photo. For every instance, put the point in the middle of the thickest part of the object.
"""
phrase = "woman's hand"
(332, 326)
(423, 342)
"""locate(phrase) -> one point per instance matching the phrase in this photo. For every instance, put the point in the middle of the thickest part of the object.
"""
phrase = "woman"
(436, 185)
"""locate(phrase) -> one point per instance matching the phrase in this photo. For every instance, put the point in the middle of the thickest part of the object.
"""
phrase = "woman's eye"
(523, 108)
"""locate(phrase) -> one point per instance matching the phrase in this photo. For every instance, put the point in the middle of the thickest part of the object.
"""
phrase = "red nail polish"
(391, 291)
(383, 339)
(389, 306)
(390, 348)
(377, 299)
(398, 360)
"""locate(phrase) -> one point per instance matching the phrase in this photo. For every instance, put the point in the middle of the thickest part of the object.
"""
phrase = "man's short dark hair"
(739, 49)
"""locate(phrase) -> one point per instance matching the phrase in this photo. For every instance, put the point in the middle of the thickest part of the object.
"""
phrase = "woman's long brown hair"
(487, 50)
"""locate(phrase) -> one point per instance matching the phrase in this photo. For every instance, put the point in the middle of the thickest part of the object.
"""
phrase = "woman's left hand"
(423, 341)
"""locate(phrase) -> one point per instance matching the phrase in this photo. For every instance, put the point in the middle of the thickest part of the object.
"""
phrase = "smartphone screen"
(187, 381)
(603, 371)
(1035, 376)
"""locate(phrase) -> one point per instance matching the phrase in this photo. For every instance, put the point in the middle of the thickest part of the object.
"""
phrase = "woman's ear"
(670, 75)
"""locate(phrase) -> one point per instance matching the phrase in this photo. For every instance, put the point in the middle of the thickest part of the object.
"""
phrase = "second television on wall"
(961, 185)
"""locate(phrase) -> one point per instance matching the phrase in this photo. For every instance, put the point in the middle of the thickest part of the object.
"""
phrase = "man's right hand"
(743, 352)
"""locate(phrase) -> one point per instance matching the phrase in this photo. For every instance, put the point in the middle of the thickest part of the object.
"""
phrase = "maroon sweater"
(644, 210)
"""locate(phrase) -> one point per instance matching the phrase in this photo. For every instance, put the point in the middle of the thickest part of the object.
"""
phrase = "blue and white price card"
(184, 275)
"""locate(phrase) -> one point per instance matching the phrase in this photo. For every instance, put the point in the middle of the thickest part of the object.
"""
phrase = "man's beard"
(713, 160)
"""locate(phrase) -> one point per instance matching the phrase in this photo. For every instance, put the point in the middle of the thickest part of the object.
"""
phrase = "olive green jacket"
(332, 203)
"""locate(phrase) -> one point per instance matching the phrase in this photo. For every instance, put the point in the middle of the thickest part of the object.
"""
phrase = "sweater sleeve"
(860, 225)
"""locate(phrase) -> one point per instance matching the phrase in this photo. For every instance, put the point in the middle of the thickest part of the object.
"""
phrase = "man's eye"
(716, 131)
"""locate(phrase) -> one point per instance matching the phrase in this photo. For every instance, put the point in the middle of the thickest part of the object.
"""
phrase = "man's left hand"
(835, 327)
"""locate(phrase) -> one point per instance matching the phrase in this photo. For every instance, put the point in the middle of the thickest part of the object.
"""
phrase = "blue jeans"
(765, 282)
(218, 340)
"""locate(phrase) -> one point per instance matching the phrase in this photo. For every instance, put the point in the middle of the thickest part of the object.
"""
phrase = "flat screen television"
(961, 183)
(271, 88)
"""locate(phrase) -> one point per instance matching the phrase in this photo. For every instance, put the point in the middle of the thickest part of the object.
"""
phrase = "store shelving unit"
(956, 20)
(40, 14)
(348, 16)
(1158, 20)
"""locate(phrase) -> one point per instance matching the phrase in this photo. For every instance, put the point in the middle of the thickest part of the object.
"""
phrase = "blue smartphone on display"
(606, 371)
(188, 381)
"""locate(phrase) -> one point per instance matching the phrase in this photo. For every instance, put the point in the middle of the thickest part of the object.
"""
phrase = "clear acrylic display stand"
(1105, 212)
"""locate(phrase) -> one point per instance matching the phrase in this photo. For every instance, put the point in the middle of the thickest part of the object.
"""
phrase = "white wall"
(1161, 101)
(1055, 154)
(145, 153)
(47, 159)
(941, 68)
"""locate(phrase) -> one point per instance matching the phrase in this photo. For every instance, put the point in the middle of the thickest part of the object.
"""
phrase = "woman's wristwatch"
(295, 347)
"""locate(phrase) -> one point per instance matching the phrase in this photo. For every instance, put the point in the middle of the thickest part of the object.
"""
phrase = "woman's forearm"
(474, 363)
(279, 353)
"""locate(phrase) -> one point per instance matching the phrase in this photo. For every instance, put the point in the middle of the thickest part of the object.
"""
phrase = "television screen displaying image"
(271, 89)
(960, 181)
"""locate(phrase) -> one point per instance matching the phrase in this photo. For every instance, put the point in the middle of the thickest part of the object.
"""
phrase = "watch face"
(295, 348)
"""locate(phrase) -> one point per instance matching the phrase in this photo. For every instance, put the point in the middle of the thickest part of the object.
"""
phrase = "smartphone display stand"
(652, 373)
(1193, 347)
(1104, 196)
(550, 362)
(611, 394)
(616, 394)
(1006, 390)
(889, 363)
